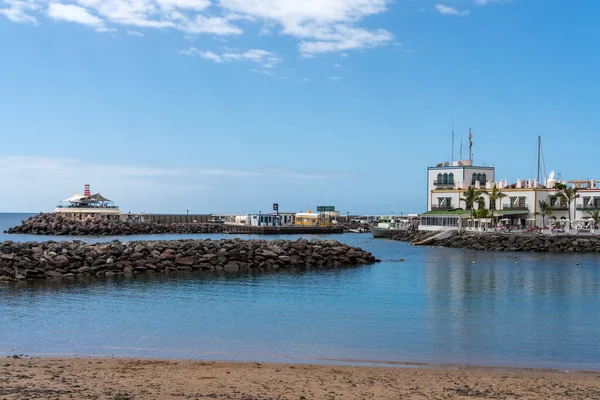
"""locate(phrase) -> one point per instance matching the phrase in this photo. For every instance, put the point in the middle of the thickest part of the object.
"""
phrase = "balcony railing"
(440, 183)
(507, 206)
(558, 207)
(587, 207)
(438, 207)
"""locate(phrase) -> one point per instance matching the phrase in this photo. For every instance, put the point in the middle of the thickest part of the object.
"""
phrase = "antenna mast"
(461, 149)
(470, 145)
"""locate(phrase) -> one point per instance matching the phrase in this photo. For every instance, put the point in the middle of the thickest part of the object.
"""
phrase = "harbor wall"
(32, 260)
(60, 225)
(506, 241)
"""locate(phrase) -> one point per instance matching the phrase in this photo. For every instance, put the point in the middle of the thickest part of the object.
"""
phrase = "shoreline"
(152, 378)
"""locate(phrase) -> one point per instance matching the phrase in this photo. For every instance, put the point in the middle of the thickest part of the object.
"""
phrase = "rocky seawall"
(523, 242)
(33, 260)
(508, 241)
(59, 225)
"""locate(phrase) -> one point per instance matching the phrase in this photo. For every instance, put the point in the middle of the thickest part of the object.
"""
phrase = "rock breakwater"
(523, 242)
(33, 260)
(56, 224)
(508, 241)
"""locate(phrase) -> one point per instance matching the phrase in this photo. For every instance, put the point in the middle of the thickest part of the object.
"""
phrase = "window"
(473, 179)
(451, 178)
(586, 202)
(483, 178)
(596, 202)
(439, 178)
(445, 178)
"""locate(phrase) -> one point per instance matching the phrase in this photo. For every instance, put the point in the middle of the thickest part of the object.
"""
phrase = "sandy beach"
(121, 379)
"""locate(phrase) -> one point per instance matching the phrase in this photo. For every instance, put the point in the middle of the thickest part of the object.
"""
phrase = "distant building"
(312, 219)
(88, 205)
(519, 205)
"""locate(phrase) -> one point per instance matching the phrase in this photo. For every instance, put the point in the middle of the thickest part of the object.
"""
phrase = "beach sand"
(121, 379)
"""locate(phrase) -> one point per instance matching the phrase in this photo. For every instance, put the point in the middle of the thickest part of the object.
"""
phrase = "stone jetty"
(56, 224)
(508, 241)
(43, 260)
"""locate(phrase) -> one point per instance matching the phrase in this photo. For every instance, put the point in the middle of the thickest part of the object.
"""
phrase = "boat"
(387, 226)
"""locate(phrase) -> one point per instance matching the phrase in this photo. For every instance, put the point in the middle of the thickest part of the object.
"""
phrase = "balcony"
(443, 184)
(508, 206)
(587, 207)
(435, 207)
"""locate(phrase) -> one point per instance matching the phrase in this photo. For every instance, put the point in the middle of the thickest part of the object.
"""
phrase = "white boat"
(386, 226)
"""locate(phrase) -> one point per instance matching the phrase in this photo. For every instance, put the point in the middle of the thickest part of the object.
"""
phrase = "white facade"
(445, 177)
(520, 206)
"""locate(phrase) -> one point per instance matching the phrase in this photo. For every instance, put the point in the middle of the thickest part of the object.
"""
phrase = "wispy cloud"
(319, 26)
(61, 167)
(135, 33)
(264, 58)
(447, 10)
(73, 13)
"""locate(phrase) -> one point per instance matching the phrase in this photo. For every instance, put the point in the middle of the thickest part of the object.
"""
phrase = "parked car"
(216, 220)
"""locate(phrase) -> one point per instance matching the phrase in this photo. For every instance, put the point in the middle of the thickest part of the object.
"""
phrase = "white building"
(447, 183)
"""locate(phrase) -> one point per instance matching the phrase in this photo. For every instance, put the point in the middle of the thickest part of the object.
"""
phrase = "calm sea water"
(437, 307)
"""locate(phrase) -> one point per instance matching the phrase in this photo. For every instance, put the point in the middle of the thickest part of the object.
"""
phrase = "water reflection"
(438, 306)
(542, 309)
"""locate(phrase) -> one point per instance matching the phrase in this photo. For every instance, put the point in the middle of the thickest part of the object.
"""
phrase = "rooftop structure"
(88, 205)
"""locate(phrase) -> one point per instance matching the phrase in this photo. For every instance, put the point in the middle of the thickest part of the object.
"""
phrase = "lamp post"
(187, 216)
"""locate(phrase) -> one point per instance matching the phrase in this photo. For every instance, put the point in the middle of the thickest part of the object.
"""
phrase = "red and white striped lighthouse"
(86, 190)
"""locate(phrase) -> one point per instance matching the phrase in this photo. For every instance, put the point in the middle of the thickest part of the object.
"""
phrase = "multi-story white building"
(520, 205)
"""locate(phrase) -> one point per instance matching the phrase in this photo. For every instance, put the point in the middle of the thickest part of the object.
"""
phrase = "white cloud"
(485, 2)
(321, 26)
(17, 11)
(135, 33)
(447, 10)
(209, 55)
(324, 26)
(264, 58)
(73, 13)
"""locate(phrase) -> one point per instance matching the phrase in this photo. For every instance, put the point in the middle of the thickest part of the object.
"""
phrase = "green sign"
(325, 208)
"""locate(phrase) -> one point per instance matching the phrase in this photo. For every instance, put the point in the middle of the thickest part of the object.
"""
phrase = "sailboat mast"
(538, 161)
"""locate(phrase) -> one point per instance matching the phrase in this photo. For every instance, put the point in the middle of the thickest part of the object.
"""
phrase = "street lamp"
(187, 218)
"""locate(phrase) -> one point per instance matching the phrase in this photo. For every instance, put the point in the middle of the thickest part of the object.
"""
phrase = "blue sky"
(231, 105)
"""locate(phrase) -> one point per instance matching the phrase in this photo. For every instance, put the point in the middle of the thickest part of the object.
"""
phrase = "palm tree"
(483, 213)
(545, 209)
(471, 198)
(495, 195)
(595, 216)
(569, 194)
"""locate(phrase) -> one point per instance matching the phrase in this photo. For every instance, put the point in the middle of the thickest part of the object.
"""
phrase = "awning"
(98, 197)
(76, 197)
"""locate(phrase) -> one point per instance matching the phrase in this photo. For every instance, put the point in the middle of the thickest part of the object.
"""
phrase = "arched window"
(474, 179)
(483, 178)
(445, 178)
(439, 178)
(451, 178)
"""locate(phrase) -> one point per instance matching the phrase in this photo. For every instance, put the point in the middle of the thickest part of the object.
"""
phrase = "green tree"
(595, 216)
(472, 197)
(569, 195)
(494, 196)
(545, 210)
(483, 213)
